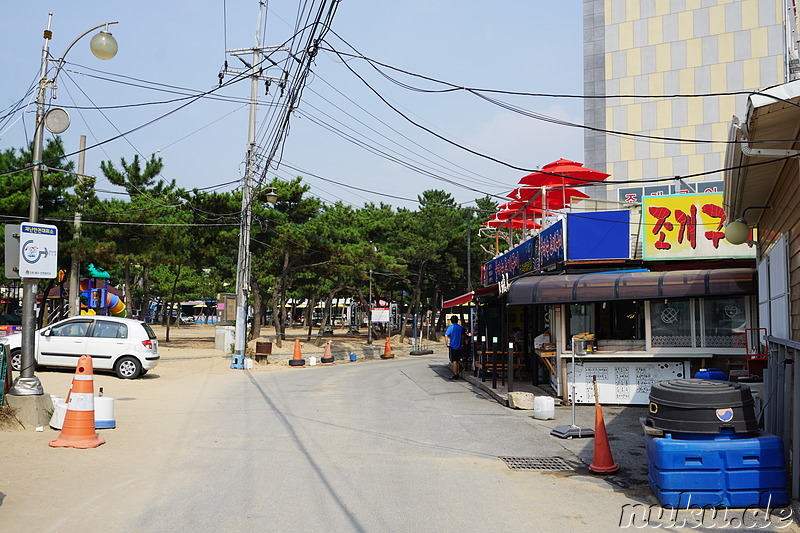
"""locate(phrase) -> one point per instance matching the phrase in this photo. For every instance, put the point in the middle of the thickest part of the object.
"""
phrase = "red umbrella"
(562, 172)
(522, 207)
(515, 223)
(556, 198)
(512, 213)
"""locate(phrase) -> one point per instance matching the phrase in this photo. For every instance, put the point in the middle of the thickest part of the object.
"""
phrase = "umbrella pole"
(572, 430)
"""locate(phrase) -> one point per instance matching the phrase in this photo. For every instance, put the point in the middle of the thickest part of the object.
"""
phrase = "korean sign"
(38, 250)
(635, 194)
(524, 258)
(551, 244)
(687, 226)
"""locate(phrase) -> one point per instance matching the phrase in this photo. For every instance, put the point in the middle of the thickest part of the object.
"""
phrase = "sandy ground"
(151, 419)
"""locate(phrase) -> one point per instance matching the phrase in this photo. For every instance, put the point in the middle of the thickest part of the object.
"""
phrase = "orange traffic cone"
(77, 430)
(327, 357)
(387, 350)
(297, 358)
(603, 461)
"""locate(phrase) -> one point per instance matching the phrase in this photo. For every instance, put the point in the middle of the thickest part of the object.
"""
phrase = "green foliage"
(56, 199)
(168, 243)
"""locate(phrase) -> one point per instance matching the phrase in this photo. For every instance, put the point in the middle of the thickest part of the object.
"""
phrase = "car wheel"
(128, 368)
(16, 360)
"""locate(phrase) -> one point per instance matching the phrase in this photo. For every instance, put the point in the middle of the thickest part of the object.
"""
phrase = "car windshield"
(150, 333)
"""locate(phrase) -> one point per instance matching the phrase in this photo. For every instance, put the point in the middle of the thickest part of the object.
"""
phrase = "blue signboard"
(551, 245)
(520, 260)
(599, 235)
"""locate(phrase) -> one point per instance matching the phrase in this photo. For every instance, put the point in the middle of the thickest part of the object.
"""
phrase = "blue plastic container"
(352, 357)
(724, 470)
(711, 373)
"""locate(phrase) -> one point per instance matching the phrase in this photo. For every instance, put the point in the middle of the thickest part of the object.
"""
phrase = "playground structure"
(96, 296)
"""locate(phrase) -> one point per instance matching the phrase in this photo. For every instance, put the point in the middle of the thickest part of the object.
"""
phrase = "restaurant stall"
(656, 285)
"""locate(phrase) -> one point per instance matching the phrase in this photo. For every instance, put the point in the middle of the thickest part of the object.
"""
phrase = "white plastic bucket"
(248, 363)
(59, 412)
(312, 361)
(104, 413)
(544, 408)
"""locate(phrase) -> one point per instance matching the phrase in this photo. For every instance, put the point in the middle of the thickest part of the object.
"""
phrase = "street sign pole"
(38, 259)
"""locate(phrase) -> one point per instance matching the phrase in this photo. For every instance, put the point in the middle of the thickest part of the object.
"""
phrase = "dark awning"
(605, 287)
(491, 290)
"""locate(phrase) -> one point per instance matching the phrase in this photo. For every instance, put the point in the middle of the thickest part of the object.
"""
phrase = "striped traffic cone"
(327, 357)
(77, 431)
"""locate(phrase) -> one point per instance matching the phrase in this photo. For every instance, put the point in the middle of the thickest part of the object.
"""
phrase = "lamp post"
(103, 46)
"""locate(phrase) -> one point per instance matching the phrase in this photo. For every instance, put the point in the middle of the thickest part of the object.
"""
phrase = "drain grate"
(537, 463)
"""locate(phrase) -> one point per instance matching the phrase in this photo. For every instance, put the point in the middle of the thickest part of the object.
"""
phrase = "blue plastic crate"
(728, 470)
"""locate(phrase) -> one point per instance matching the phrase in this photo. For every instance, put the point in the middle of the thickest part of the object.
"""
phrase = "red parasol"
(556, 198)
(515, 223)
(562, 172)
(521, 207)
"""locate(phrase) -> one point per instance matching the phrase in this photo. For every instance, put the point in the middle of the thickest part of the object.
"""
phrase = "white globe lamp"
(737, 232)
(103, 45)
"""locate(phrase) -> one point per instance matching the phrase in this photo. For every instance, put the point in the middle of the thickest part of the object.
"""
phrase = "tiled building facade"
(672, 47)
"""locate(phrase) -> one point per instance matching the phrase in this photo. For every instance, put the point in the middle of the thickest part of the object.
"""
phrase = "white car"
(128, 347)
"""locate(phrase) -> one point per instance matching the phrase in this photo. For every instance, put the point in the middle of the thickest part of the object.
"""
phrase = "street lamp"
(737, 232)
(103, 46)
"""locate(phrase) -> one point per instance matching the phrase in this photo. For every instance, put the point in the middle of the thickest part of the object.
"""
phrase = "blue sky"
(530, 46)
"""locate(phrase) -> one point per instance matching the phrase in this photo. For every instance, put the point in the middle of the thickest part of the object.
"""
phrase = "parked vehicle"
(10, 320)
(128, 347)
(183, 318)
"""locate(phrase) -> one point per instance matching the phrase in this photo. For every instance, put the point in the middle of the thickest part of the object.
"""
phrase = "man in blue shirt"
(455, 341)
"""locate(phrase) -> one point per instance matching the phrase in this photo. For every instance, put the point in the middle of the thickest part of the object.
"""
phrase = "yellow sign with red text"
(688, 226)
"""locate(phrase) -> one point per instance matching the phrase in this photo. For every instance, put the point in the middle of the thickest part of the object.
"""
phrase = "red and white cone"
(77, 431)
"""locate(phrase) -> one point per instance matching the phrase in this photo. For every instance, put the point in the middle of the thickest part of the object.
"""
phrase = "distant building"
(670, 47)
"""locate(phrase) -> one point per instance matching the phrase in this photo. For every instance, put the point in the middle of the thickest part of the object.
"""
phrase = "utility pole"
(469, 250)
(254, 71)
(75, 266)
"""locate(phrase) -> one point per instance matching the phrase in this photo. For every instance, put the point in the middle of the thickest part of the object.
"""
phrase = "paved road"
(376, 446)
(379, 446)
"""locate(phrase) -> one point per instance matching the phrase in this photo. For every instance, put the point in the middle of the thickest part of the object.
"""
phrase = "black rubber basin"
(701, 406)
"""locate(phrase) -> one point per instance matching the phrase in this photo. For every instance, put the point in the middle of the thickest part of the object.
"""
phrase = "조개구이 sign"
(687, 226)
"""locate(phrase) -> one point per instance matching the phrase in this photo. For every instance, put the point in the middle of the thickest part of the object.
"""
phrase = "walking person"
(455, 342)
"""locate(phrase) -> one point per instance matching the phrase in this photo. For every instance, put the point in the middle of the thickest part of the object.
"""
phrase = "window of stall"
(699, 322)
(620, 320)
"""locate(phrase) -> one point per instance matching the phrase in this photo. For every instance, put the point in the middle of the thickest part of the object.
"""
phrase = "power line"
(479, 93)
